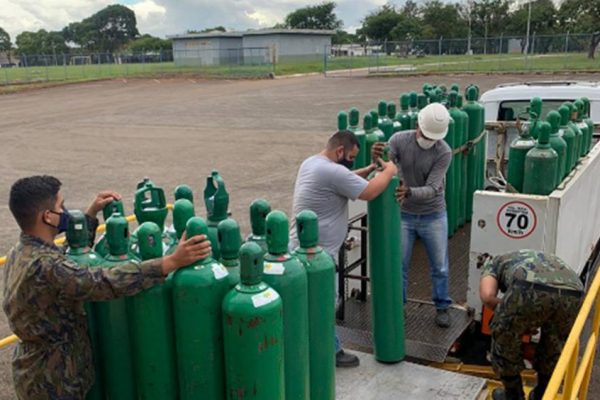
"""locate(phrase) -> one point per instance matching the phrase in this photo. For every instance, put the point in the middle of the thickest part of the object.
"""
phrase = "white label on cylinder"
(220, 271)
(274, 268)
(78, 227)
(266, 297)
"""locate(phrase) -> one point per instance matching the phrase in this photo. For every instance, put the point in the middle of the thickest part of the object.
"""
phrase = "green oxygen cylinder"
(342, 121)
(371, 136)
(375, 125)
(382, 112)
(477, 154)
(426, 88)
(455, 88)
(184, 192)
(259, 209)
(516, 158)
(558, 144)
(320, 271)
(541, 165)
(463, 137)
(388, 129)
(385, 259)
(151, 325)
(569, 137)
(359, 133)
(391, 108)
(587, 135)
(253, 333)
(230, 241)
(535, 115)
(459, 119)
(198, 292)
(421, 103)
(450, 189)
(404, 116)
(588, 120)
(216, 200)
(150, 205)
(115, 206)
(579, 139)
(112, 319)
(413, 101)
(287, 276)
(78, 251)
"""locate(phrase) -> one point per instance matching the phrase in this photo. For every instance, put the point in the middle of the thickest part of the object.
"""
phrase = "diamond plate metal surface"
(424, 339)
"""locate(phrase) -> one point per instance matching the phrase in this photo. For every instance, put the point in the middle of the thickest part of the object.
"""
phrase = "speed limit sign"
(516, 219)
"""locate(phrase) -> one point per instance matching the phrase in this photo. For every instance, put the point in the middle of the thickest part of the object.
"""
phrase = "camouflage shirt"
(531, 266)
(44, 295)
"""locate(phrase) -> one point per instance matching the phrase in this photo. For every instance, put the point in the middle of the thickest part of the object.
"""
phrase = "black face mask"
(63, 223)
(346, 163)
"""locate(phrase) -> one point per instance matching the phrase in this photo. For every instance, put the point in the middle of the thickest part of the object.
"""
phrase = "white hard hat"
(433, 121)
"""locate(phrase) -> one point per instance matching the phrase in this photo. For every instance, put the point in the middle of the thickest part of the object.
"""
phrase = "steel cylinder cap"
(391, 110)
(413, 99)
(277, 232)
(374, 118)
(535, 106)
(455, 88)
(471, 93)
(404, 101)
(183, 210)
(259, 209)
(117, 234)
(342, 121)
(77, 230)
(564, 114)
(579, 107)
(382, 108)
(553, 119)
(544, 133)
(453, 98)
(184, 192)
(115, 206)
(421, 101)
(426, 88)
(196, 226)
(387, 127)
(251, 264)
(230, 239)
(586, 106)
(367, 124)
(149, 238)
(307, 228)
(459, 101)
(354, 116)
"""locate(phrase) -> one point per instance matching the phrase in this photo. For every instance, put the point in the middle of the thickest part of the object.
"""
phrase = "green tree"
(582, 16)
(489, 18)
(41, 42)
(443, 20)
(343, 37)
(5, 43)
(544, 21)
(216, 28)
(314, 17)
(148, 43)
(108, 30)
(378, 25)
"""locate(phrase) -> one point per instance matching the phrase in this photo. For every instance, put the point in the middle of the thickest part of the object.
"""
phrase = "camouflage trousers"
(522, 311)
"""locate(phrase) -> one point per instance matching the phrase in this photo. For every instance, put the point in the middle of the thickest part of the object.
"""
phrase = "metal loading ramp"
(405, 380)
(424, 339)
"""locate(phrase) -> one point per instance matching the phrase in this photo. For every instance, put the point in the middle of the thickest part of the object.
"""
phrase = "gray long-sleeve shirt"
(423, 171)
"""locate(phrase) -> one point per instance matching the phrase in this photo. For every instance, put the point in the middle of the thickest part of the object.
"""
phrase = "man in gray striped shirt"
(422, 158)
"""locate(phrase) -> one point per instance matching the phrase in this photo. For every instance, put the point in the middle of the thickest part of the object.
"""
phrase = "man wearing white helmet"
(422, 158)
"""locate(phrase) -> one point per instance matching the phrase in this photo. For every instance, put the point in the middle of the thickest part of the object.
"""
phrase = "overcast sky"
(165, 17)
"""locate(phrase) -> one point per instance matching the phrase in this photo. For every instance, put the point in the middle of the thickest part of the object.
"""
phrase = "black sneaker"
(442, 318)
(345, 360)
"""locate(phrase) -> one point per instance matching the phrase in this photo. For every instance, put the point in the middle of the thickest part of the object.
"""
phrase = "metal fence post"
(325, 60)
(65, 71)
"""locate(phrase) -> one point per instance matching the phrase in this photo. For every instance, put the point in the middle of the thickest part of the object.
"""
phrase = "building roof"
(259, 32)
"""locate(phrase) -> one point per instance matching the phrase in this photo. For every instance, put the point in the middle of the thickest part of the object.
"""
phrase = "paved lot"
(110, 134)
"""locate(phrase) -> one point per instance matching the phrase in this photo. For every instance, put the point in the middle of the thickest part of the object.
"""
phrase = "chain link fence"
(238, 62)
(566, 52)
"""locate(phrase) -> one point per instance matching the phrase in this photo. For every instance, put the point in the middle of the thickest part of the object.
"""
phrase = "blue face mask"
(63, 223)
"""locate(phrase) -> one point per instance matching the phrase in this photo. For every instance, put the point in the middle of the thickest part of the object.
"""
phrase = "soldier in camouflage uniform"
(44, 292)
(540, 291)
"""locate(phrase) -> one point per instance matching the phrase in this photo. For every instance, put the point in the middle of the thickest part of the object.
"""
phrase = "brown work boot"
(512, 390)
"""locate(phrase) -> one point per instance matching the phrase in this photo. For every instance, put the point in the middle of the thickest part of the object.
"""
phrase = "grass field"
(564, 62)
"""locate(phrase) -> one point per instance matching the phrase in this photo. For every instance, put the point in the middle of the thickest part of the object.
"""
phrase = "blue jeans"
(432, 229)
